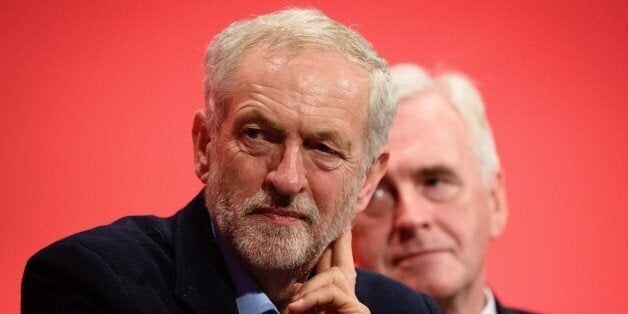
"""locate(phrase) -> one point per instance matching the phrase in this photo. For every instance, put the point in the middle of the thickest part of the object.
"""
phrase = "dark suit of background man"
(288, 146)
(442, 199)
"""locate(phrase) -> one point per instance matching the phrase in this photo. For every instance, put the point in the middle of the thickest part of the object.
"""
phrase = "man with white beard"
(288, 146)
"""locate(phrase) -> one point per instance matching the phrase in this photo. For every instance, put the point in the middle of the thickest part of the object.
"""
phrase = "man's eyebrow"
(335, 137)
(255, 116)
(439, 170)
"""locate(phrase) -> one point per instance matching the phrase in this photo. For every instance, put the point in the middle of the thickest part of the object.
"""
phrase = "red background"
(97, 102)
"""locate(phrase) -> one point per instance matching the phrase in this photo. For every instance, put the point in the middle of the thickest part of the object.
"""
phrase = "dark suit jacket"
(146, 264)
(504, 310)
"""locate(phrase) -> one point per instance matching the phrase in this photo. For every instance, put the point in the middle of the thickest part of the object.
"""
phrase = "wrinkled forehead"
(309, 90)
(308, 63)
(311, 75)
(428, 130)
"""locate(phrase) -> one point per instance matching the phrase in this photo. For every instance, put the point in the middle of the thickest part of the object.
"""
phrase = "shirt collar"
(490, 306)
(250, 298)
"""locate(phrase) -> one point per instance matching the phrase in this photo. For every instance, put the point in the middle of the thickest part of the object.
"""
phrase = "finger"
(342, 255)
(327, 298)
(332, 276)
(297, 290)
(324, 262)
(338, 253)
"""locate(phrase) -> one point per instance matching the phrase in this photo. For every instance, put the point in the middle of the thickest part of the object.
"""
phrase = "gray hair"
(459, 91)
(293, 30)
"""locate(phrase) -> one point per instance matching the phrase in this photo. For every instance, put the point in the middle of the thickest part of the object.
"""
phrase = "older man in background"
(442, 200)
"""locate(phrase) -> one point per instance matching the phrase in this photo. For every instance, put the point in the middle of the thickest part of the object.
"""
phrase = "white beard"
(270, 246)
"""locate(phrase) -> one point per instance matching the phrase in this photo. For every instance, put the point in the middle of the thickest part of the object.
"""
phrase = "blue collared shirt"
(250, 298)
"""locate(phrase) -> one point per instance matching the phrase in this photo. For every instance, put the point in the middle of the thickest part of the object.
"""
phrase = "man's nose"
(413, 212)
(288, 177)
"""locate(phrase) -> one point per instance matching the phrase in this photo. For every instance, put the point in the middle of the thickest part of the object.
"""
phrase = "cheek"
(460, 216)
(370, 240)
(327, 188)
(468, 226)
(242, 169)
(478, 227)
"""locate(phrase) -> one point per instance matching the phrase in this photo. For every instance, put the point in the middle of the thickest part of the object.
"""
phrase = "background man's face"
(428, 223)
(284, 164)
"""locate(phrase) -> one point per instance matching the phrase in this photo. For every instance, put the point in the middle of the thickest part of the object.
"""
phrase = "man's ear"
(370, 181)
(201, 139)
(498, 204)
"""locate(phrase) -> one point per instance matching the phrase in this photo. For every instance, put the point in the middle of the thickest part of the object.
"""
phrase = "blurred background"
(97, 103)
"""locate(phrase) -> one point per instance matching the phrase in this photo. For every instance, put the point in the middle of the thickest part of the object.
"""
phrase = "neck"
(277, 284)
(470, 299)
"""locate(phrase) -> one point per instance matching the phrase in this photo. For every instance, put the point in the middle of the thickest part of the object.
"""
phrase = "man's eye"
(433, 181)
(255, 141)
(325, 157)
(324, 148)
(379, 193)
(439, 189)
(382, 202)
(254, 133)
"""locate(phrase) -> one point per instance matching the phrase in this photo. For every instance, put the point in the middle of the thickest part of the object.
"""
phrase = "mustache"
(299, 205)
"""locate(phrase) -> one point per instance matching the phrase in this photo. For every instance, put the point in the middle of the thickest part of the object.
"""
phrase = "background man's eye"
(379, 193)
(432, 181)
(381, 204)
(439, 189)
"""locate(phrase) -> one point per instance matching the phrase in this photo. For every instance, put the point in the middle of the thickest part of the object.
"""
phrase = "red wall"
(97, 103)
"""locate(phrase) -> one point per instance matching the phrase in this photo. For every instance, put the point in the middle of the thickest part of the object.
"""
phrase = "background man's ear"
(498, 205)
(200, 140)
(370, 181)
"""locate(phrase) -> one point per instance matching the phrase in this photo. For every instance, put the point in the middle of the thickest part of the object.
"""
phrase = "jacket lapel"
(203, 282)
